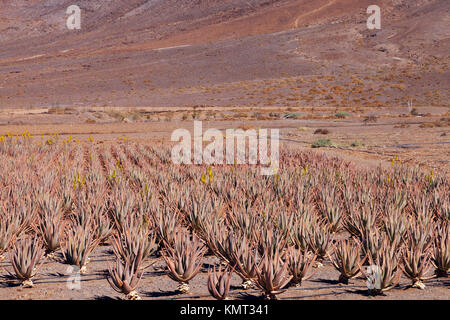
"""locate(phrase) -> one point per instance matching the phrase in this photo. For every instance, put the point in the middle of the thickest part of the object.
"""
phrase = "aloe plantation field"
(93, 220)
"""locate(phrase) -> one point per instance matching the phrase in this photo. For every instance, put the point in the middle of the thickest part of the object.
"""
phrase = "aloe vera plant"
(246, 259)
(299, 234)
(198, 216)
(441, 251)
(135, 238)
(219, 283)
(319, 240)
(383, 274)
(122, 206)
(372, 241)
(130, 245)
(102, 227)
(243, 220)
(167, 225)
(300, 265)
(9, 226)
(50, 229)
(331, 208)
(25, 259)
(270, 238)
(416, 264)
(363, 218)
(184, 259)
(395, 225)
(272, 274)
(124, 278)
(347, 260)
(222, 242)
(80, 243)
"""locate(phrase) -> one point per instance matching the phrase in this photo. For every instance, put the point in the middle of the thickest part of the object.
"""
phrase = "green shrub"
(292, 115)
(322, 131)
(342, 115)
(274, 115)
(356, 144)
(322, 143)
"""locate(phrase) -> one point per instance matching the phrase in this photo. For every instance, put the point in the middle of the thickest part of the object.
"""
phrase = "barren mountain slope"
(172, 52)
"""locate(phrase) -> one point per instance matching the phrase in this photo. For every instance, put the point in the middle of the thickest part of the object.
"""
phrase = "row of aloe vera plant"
(61, 201)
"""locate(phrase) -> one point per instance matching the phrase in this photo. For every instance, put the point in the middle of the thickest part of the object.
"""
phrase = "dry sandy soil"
(144, 68)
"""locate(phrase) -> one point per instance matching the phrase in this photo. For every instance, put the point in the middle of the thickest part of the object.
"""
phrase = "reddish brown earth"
(223, 53)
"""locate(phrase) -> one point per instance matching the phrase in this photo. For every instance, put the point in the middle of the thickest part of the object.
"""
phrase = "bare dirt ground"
(142, 69)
